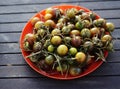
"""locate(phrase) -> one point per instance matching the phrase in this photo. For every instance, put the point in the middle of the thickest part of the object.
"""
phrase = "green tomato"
(64, 68)
(67, 39)
(85, 33)
(73, 51)
(50, 48)
(110, 47)
(66, 30)
(74, 71)
(79, 25)
(71, 13)
(49, 59)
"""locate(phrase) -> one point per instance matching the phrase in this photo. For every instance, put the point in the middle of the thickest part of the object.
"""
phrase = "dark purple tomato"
(76, 41)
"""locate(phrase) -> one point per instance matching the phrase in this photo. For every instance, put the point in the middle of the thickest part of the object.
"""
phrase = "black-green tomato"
(66, 30)
(37, 46)
(99, 22)
(63, 68)
(85, 33)
(74, 71)
(41, 32)
(88, 45)
(79, 25)
(49, 59)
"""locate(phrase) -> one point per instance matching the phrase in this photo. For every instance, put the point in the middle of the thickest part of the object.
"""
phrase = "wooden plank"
(106, 69)
(13, 27)
(12, 2)
(15, 17)
(116, 44)
(32, 7)
(9, 37)
(11, 59)
(46, 83)
(101, 5)
(109, 13)
(17, 71)
(115, 33)
(24, 8)
(9, 48)
(25, 17)
(113, 56)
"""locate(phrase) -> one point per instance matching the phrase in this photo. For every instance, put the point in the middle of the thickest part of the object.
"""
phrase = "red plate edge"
(26, 30)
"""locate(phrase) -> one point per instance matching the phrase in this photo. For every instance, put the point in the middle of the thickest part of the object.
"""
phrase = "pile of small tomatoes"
(67, 41)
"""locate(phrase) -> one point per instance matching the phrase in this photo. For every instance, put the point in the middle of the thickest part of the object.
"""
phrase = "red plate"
(28, 29)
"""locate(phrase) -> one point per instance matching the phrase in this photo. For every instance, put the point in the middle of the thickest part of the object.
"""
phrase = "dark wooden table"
(15, 72)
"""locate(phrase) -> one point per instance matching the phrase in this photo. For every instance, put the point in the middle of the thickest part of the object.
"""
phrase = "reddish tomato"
(95, 31)
(34, 20)
(75, 33)
(50, 23)
(48, 16)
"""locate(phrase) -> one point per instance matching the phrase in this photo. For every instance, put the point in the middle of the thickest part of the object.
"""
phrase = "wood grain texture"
(11, 59)
(108, 14)
(9, 48)
(9, 37)
(13, 27)
(33, 7)
(106, 69)
(17, 2)
(45, 83)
